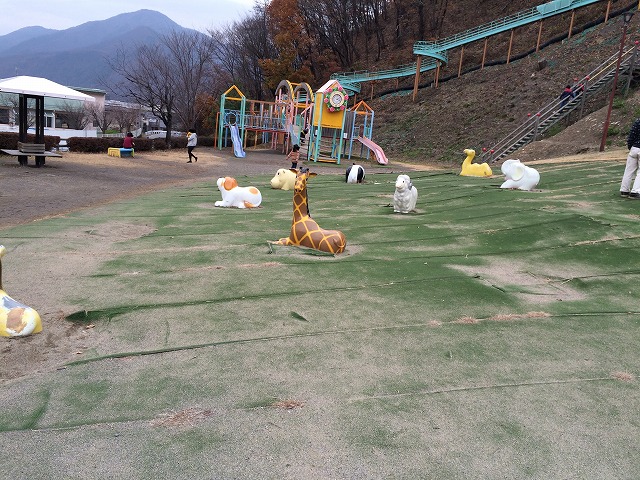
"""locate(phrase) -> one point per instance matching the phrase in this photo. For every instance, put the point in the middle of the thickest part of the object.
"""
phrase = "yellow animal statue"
(474, 169)
(16, 319)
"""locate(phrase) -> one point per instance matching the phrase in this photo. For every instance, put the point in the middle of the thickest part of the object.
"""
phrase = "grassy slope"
(480, 337)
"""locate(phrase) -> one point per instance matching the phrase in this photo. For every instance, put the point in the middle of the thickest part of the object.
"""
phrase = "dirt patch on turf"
(61, 341)
(534, 284)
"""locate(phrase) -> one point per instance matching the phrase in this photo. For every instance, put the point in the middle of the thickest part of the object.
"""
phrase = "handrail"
(438, 49)
(555, 110)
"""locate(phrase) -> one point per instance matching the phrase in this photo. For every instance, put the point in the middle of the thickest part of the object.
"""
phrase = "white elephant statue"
(519, 176)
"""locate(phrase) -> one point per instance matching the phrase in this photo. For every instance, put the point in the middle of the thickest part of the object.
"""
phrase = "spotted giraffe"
(305, 232)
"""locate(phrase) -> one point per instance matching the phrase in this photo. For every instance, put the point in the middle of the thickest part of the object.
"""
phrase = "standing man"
(633, 162)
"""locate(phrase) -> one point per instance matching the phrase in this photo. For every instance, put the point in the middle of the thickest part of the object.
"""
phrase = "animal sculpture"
(474, 169)
(235, 196)
(355, 174)
(519, 176)
(284, 179)
(305, 232)
(405, 196)
(16, 319)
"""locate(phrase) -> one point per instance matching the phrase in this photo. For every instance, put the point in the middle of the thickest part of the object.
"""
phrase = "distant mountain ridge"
(77, 56)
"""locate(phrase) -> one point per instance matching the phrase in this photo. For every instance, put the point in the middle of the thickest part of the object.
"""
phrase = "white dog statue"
(235, 196)
(519, 176)
(284, 179)
(405, 196)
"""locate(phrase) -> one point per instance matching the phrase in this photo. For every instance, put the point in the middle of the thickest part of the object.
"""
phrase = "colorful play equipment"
(120, 152)
(333, 130)
(470, 169)
(16, 319)
(519, 176)
(305, 232)
(235, 196)
(284, 179)
(406, 195)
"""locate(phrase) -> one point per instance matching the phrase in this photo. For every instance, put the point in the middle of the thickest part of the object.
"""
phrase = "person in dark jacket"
(566, 95)
(630, 186)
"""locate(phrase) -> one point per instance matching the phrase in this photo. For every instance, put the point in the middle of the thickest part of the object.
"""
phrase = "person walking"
(191, 144)
(566, 95)
(294, 156)
(630, 186)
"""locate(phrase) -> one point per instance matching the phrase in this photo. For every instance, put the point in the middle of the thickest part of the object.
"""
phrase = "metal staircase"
(556, 110)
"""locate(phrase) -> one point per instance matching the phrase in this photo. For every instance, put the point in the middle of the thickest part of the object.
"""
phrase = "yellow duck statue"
(16, 319)
(474, 169)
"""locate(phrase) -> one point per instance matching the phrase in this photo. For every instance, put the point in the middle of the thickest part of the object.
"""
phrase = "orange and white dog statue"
(235, 196)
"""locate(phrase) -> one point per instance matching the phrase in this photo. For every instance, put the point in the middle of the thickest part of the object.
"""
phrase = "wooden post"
(484, 52)
(510, 43)
(460, 64)
(417, 79)
(573, 16)
(606, 15)
(539, 36)
(215, 132)
(371, 97)
(437, 73)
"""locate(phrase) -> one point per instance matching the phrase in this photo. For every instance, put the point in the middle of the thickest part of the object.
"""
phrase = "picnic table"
(25, 150)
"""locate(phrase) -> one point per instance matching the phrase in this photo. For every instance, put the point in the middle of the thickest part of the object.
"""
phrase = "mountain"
(10, 40)
(78, 56)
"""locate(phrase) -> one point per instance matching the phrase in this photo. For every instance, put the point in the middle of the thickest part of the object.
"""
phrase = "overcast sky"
(62, 14)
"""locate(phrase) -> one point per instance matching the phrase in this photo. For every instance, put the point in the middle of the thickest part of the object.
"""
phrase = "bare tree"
(149, 80)
(13, 100)
(125, 117)
(191, 54)
(168, 77)
(101, 116)
(75, 114)
(239, 49)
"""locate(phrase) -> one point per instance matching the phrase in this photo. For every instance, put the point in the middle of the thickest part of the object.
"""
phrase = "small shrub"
(9, 140)
(553, 130)
(618, 103)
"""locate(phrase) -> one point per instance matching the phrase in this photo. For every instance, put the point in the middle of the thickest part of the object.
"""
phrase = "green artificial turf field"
(491, 334)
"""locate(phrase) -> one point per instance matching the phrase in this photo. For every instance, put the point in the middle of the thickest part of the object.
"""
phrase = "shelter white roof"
(40, 87)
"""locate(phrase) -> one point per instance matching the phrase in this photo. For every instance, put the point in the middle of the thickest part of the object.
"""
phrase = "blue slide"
(237, 142)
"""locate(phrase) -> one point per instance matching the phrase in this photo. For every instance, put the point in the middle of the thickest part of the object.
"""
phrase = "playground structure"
(438, 51)
(331, 129)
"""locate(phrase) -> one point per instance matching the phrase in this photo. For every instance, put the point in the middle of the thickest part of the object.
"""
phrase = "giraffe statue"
(305, 232)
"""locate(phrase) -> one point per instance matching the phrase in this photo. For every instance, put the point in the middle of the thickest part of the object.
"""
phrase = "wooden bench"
(120, 152)
(25, 150)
